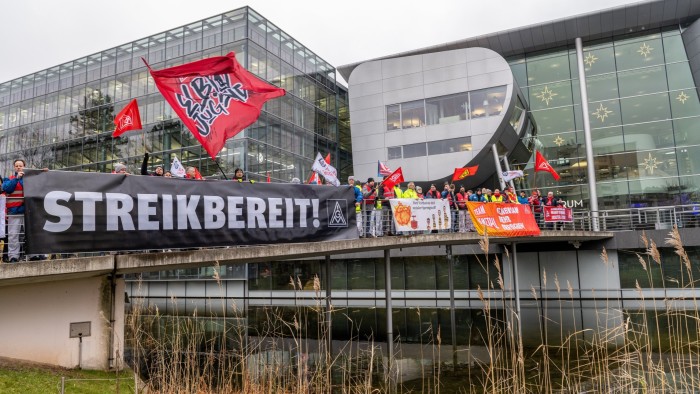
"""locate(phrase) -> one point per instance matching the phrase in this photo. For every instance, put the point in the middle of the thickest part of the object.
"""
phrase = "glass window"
(687, 131)
(632, 271)
(482, 271)
(420, 273)
(487, 102)
(645, 108)
(599, 60)
(519, 70)
(685, 103)
(413, 114)
(450, 146)
(360, 274)
(674, 50)
(642, 81)
(548, 69)
(649, 135)
(607, 140)
(602, 87)
(638, 53)
(679, 76)
(447, 109)
(394, 152)
(393, 117)
(414, 150)
(604, 113)
(556, 120)
(550, 95)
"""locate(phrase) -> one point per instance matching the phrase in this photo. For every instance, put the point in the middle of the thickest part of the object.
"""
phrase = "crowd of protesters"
(374, 213)
(371, 201)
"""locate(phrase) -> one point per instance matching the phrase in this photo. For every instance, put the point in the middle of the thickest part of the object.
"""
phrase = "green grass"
(26, 378)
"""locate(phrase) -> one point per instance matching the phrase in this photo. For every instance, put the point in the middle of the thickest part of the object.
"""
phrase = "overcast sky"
(38, 34)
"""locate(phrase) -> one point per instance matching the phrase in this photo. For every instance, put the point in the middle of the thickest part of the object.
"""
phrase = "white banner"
(510, 175)
(326, 170)
(2, 217)
(177, 169)
(421, 215)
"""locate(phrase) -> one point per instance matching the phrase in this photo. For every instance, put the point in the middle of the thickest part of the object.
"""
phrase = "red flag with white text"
(541, 164)
(215, 98)
(393, 179)
(127, 119)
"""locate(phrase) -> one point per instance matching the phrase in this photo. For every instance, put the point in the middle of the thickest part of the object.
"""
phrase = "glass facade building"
(643, 112)
(61, 118)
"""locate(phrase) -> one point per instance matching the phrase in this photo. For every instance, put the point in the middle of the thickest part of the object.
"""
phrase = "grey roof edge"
(550, 42)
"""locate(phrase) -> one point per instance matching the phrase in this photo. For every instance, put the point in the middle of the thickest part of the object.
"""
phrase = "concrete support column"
(590, 168)
(499, 170)
(453, 318)
(389, 323)
(507, 166)
(329, 317)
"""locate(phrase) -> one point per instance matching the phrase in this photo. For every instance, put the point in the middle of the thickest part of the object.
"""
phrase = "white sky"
(38, 34)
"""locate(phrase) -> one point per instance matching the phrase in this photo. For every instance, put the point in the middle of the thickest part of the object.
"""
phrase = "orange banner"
(503, 220)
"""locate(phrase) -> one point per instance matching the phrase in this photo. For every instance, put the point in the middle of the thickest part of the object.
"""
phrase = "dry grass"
(653, 350)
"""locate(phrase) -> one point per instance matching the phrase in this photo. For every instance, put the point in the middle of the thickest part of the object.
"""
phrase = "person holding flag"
(372, 209)
(177, 169)
(144, 167)
(193, 173)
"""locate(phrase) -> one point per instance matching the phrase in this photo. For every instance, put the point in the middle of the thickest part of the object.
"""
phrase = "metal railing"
(649, 218)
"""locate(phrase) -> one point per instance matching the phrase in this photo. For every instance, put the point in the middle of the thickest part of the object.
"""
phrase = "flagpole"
(221, 169)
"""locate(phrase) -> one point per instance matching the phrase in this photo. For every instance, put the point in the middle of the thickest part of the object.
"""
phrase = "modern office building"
(428, 110)
(61, 117)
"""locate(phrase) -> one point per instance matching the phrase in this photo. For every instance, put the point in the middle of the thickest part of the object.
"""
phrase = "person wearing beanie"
(120, 168)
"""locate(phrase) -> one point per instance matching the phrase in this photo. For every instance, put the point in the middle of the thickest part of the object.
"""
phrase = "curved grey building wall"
(375, 85)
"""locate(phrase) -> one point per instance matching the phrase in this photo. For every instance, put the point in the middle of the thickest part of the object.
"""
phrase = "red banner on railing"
(503, 220)
(558, 214)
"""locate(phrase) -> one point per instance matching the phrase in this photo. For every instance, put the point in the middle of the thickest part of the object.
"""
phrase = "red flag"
(541, 164)
(394, 178)
(215, 98)
(127, 119)
(268, 177)
(197, 174)
(461, 173)
(314, 179)
(328, 158)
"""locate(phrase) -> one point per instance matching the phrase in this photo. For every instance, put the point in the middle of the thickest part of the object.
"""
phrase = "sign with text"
(421, 215)
(558, 214)
(87, 212)
(503, 220)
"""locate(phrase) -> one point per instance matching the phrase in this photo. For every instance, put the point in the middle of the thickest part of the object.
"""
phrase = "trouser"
(389, 220)
(14, 229)
(360, 228)
(375, 223)
(462, 220)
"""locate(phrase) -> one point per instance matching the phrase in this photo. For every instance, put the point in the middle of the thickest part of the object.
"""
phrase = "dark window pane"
(414, 150)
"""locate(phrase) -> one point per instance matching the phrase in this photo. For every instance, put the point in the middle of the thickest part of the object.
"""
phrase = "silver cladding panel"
(376, 84)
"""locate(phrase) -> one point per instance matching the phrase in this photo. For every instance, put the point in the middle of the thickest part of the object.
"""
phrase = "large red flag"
(127, 119)
(394, 178)
(461, 173)
(216, 98)
(541, 164)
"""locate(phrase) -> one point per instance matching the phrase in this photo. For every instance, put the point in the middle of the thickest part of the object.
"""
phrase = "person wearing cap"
(144, 167)
(358, 204)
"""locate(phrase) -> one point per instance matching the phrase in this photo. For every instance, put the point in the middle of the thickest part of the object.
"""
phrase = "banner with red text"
(503, 220)
(558, 214)
(421, 215)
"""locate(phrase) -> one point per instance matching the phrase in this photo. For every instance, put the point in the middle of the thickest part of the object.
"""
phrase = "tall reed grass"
(653, 349)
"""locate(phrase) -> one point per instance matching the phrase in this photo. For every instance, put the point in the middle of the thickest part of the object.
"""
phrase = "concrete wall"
(36, 321)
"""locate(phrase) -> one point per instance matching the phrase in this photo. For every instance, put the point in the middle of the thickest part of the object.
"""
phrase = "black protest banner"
(85, 212)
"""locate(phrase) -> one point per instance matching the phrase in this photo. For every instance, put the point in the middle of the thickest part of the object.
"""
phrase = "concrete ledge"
(40, 271)
(49, 270)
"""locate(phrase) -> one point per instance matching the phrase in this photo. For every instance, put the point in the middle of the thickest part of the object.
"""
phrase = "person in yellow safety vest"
(410, 192)
(496, 197)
